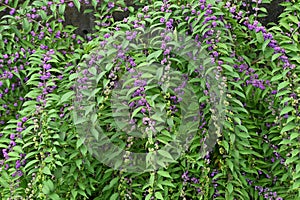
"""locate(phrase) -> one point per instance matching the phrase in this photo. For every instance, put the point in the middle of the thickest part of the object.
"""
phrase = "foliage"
(43, 155)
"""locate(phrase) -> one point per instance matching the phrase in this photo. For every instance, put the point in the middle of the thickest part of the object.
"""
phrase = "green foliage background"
(256, 154)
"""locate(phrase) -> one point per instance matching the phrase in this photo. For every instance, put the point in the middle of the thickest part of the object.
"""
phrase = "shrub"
(62, 94)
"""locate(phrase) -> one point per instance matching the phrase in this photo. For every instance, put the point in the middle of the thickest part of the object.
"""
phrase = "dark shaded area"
(274, 10)
(85, 22)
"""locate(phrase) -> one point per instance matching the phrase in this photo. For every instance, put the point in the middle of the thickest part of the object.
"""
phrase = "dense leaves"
(250, 149)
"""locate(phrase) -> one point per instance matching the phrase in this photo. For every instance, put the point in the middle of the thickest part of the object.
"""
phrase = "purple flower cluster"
(140, 91)
(267, 194)
(45, 76)
(5, 151)
(191, 180)
(267, 36)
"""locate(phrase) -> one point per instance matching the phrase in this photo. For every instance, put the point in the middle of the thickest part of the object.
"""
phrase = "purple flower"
(169, 25)
(12, 143)
(215, 54)
(12, 136)
(70, 4)
(47, 66)
(146, 120)
(111, 5)
(145, 9)
(20, 173)
(131, 104)
(12, 11)
(185, 176)
(18, 164)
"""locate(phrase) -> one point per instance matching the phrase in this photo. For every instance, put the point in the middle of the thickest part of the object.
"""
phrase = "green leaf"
(155, 54)
(30, 163)
(136, 111)
(265, 44)
(114, 196)
(156, 117)
(225, 145)
(148, 196)
(18, 149)
(54, 196)
(229, 188)
(293, 136)
(239, 93)
(113, 182)
(227, 67)
(4, 183)
(164, 174)
(94, 3)
(275, 56)
(282, 85)
(275, 78)
(26, 25)
(165, 154)
(79, 142)
(16, 31)
(168, 183)
(230, 164)
(260, 37)
(45, 189)
(158, 195)
(77, 5)
(66, 96)
(47, 171)
(50, 184)
(61, 9)
(286, 110)
(287, 128)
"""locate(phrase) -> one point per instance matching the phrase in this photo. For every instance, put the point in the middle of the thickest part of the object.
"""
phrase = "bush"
(213, 93)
